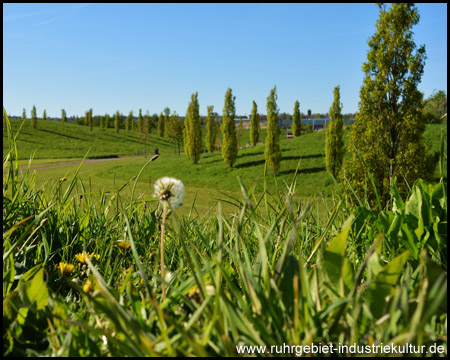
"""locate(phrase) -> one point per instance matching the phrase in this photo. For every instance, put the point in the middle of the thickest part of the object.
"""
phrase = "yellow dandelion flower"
(66, 269)
(124, 245)
(94, 256)
(88, 287)
(82, 259)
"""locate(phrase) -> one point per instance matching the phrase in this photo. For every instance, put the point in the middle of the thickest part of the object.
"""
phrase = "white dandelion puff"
(170, 190)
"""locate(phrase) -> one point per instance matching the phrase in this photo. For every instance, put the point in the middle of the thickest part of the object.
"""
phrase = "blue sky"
(128, 56)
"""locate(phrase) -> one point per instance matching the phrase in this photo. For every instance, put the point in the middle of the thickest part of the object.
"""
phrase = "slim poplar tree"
(334, 145)
(140, 121)
(117, 121)
(255, 128)
(128, 121)
(33, 117)
(89, 114)
(63, 116)
(296, 120)
(272, 151)
(24, 114)
(211, 129)
(229, 144)
(161, 125)
(193, 133)
(44, 115)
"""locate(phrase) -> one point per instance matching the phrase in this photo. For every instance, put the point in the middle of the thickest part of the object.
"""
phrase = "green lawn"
(207, 181)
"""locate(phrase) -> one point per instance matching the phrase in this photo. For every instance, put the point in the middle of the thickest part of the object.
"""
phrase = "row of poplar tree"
(387, 147)
(386, 142)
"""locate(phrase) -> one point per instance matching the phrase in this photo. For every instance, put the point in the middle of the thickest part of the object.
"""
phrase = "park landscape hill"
(56, 149)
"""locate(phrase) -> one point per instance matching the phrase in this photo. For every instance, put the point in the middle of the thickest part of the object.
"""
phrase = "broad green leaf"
(383, 282)
(36, 290)
(333, 258)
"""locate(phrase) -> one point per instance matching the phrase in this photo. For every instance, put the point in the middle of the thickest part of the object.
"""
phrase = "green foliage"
(255, 128)
(228, 129)
(334, 144)
(141, 122)
(117, 121)
(161, 125)
(308, 128)
(296, 120)
(107, 121)
(272, 150)
(174, 131)
(166, 120)
(129, 121)
(148, 122)
(211, 129)
(89, 118)
(63, 116)
(33, 117)
(24, 114)
(435, 108)
(192, 130)
(387, 136)
(44, 115)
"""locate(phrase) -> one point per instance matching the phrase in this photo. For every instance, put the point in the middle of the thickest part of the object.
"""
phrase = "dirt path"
(62, 164)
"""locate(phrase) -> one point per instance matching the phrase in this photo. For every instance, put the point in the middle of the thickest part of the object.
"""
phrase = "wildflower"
(66, 269)
(170, 190)
(82, 259)
(125, 245)
(88, 287)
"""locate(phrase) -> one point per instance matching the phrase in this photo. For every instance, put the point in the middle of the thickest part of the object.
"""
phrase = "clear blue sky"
(128, 56)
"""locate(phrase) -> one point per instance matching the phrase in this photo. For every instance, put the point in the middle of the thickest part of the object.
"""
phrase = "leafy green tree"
(272, 151)
(308, 128)
(143, 137)
(174, 131)
(211, 129)
(296, 120)
(89, 117)
(117, 121)
(161, 125)
(255, 128)
(166, 120)
(24, 114)
(128, 120)
(44, 115)
(435, 107)
(33, 117)
(148, 122)
(140, 121)
(229, 143)
(193, 131)
(388, 129)
(154, 121)
(63, 116)
(334, 145)
(107, 121)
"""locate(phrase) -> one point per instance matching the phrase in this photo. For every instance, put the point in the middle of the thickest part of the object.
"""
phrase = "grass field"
(83, 259)
(206, 182)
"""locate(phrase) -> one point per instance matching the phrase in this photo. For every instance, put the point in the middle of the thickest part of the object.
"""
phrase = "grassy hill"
(53, 140)
(206, 181)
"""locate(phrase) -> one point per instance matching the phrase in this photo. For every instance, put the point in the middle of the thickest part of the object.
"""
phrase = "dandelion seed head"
(170, 190)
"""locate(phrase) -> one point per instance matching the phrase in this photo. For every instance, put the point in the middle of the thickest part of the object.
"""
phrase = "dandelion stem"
(163, 225)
